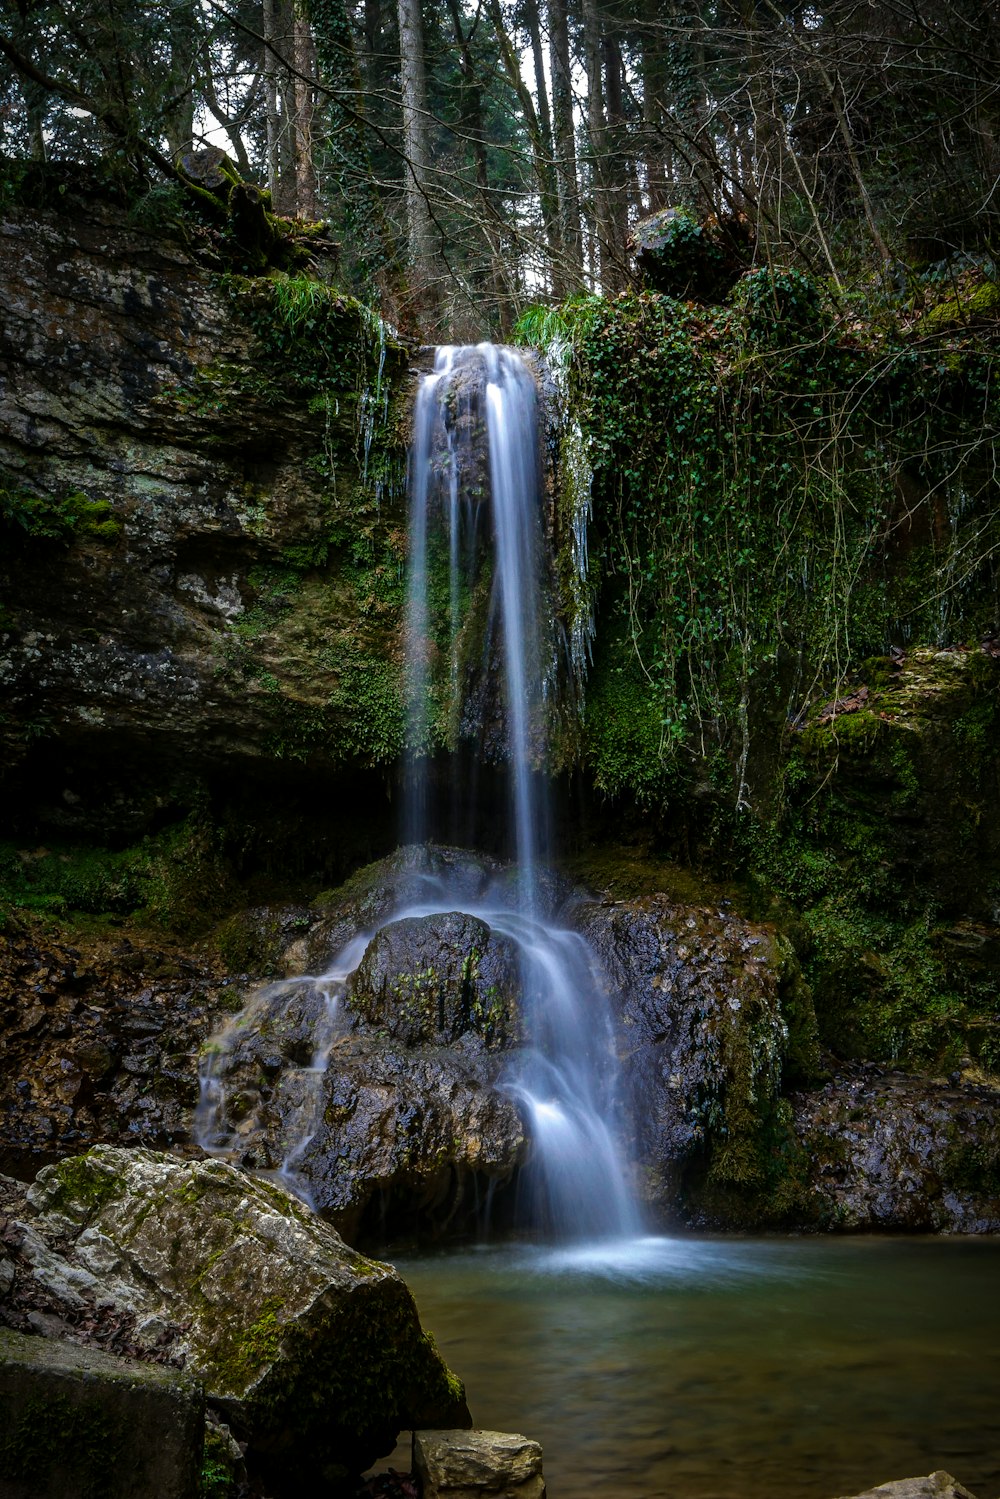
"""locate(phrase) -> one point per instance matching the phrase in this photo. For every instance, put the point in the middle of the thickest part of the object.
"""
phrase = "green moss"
(968, 305)
(44, 518)
(177, 879)
(82, 1181)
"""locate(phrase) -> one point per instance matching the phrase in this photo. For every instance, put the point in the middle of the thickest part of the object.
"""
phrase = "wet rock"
(938, 1485)
(78, 1421)
(411, 1141)
(379, 890)
(436, 978)
(699, 996)
(112, 1051)
(468, 1464)
(888, 1151)
(314, 1353)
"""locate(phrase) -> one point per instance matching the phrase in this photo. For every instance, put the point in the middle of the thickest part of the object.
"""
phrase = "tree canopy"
(474, 156)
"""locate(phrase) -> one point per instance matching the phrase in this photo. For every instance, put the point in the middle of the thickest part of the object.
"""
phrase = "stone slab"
(472, 1464)
(939, 1485)
(76, 1423)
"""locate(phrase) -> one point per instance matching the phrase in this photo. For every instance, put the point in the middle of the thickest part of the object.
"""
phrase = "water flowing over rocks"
(313, 1353)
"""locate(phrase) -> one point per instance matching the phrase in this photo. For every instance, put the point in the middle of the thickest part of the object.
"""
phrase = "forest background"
(473, 157)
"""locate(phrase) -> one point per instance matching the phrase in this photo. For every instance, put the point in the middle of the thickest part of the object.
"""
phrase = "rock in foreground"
(78, 1421)
(472, 1464)
(938, 1485)
(314, 1353)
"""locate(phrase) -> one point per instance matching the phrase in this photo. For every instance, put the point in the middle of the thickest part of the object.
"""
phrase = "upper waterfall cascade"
(476, 510)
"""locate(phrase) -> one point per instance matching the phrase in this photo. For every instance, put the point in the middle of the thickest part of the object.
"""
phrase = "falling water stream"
(576, 1185)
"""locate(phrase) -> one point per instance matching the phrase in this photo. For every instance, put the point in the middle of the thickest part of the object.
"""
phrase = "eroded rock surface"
(886, 1151)
(314, 1353)
(474, 1464)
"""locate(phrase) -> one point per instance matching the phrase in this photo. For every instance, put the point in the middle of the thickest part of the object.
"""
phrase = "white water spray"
(565, 1076)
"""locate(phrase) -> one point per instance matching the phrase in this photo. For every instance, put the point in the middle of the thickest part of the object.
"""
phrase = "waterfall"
(478, 669)
(566, 1076)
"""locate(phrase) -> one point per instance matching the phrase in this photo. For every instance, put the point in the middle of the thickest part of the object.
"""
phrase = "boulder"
(314, 1354)
(436, 978)
(78, 1421)
(711, 1014)
(687, 257)
(471, 1464)
(890, 1151)
(938, 1485)
(402, 1137)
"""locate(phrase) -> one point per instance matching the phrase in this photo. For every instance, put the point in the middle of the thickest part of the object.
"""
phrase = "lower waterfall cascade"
(564, 1076)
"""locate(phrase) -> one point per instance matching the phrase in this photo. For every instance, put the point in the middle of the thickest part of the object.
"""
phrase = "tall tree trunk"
(598, 135)
(569, 272)
(472, 121)
(416, 148)
(179, 118)
(619, 174)
(280, 179)
(541, 160)
(654, 93)
(304, 63)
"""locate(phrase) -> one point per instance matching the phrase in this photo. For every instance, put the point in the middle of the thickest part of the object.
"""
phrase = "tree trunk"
(304, 62)
(654, 92)
(569, 272)
(179, 119)
(416, 148)
(598, 135)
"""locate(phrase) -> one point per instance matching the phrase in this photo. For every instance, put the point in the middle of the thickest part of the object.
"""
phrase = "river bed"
(729, 1368)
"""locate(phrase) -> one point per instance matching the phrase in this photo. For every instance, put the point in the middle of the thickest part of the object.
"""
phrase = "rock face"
(78, 1421)
(886, 1151)
(470, 1464)
(100, 1043)
(314, 1353)
(175, 484)
(710, 1017)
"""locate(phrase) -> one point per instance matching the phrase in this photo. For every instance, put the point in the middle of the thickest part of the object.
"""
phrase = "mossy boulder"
(436, 978)
(687, 257)
(314, 1352)
(713, 1014)
(887, 1151)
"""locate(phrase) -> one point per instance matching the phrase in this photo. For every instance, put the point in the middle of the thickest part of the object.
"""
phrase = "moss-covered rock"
(886, 1151)
(315, 1353)
(436, 978)
(712, 1011)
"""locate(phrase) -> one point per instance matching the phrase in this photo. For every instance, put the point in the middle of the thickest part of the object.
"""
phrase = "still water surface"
(729, 1368)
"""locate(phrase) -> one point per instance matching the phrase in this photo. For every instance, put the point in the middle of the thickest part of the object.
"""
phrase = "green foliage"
(176, 879)
(44, 518)
(748, 515)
